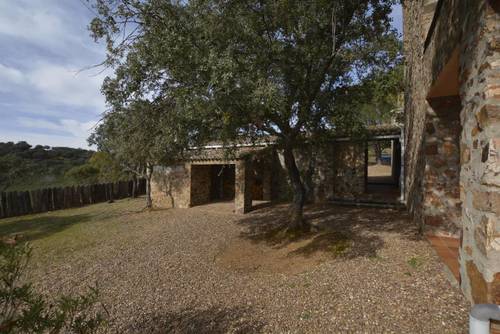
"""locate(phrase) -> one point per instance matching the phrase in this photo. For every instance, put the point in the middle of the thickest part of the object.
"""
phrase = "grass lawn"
(60, 234)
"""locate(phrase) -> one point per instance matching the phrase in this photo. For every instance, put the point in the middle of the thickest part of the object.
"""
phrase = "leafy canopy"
(247, 67)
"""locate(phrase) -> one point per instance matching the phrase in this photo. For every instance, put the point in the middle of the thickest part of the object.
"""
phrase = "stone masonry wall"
(442, 205)
(480, 146)
(200, 184)
(469, 29)
(349, 169)
(170, 186)
(243, 186)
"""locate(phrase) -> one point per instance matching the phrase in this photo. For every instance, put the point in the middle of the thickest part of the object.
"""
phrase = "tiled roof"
(384, 129)
(221, 153)
(215, 150)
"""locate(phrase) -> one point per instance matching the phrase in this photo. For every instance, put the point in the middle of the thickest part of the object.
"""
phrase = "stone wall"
(200, 184)
(442, 205)
(349, 169)
(243, 186)
(170, 186)
(480, 176)
(416, 84)
(461, 61)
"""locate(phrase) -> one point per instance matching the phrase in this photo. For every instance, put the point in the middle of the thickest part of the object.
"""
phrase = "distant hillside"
(23, 167)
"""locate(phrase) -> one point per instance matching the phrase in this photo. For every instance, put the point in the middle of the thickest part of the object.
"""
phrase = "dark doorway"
(222, 179)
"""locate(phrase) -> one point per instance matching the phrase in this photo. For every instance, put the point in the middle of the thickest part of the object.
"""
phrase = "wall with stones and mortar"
(243, 186)
(170, 186)
(200, 184)
(480, 145)
(442, 205)
(416, 84)
(472, 30)
(349, 171)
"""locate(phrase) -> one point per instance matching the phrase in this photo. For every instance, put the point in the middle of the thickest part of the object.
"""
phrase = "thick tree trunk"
(378, 153)
(297, 221)
(149, 172)
(134, 186)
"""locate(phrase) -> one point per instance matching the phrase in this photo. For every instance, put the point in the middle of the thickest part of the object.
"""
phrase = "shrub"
(23, 310)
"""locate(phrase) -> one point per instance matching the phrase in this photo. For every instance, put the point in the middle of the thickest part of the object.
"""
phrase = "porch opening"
(212, 183)
(383, 169)
(222, 183)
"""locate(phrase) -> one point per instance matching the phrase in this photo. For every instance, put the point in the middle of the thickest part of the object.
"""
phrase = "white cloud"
(55, 84)
(9, 78)
(62, 85)
(69, 126)
(50, 24)
(43, 97)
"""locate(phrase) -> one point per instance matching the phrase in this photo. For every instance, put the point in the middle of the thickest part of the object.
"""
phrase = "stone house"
(452, 132)
(250, 172)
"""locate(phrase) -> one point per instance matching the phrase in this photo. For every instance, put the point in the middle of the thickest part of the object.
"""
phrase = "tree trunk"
(149, 172)
(378, 153)
(134, 186)
(297, 206)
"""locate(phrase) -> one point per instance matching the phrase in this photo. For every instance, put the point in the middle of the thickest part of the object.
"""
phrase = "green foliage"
(23, 167)
(248, 67)
(142, 134)
(100, 168)
(109, 169)
(416, 262)
(23, 310)
(84, 174)
(292, 69)
(383, 97)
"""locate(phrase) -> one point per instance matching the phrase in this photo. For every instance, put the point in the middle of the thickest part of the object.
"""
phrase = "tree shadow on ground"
(193, 321)
(40, 227)
(341, 230)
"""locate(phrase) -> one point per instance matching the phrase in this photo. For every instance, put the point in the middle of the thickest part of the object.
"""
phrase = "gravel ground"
(208, 270)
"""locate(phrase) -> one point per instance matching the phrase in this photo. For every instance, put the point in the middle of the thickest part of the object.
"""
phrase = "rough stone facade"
(453, 72)
(171, 186)
(256, 172)
(200, 184)
(349, 169)
(442, 205)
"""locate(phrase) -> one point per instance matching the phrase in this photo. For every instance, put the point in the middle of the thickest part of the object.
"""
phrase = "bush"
(23, 310)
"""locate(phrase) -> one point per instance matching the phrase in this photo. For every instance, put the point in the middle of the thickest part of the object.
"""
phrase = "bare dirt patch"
(288, 257)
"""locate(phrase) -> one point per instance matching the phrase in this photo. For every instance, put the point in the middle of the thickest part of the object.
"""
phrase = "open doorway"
(222, 183)
(212, 183)
(383, 169)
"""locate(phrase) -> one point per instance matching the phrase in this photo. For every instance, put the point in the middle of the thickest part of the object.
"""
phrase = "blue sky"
(45, 98)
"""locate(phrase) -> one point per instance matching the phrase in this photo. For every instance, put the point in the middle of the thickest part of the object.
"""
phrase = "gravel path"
(207, 270)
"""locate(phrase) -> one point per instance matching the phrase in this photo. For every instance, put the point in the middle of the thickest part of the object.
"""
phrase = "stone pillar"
(442, 205)
(243, 186)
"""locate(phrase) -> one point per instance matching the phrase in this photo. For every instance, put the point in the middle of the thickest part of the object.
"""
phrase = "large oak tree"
(249, 67)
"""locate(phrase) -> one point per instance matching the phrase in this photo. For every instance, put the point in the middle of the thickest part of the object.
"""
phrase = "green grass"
(60, 233)
(416, 262)
(305, 316)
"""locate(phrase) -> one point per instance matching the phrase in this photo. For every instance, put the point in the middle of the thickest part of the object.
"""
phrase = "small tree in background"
(140, 135)
(23, 310)
(100, 168)
(382, 103)
(250, 68)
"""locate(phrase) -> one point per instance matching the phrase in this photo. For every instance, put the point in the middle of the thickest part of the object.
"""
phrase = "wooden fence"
(18, 203)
